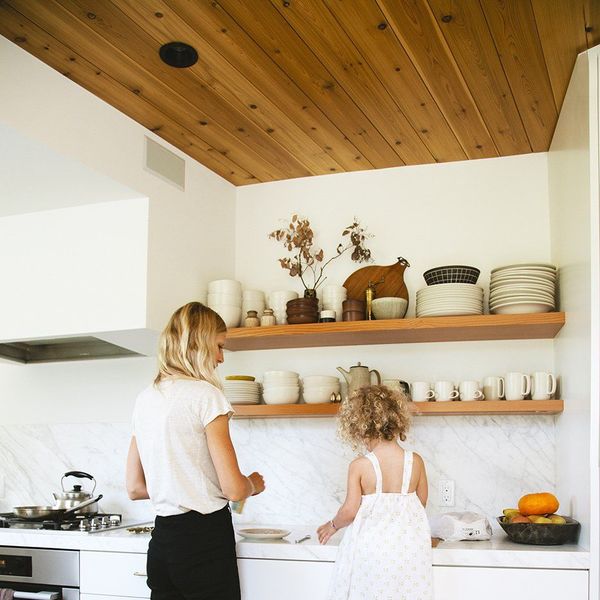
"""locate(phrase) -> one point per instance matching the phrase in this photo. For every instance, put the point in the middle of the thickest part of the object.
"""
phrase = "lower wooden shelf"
(478, 407)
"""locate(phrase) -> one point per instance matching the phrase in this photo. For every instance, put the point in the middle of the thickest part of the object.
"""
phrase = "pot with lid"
(76, 495)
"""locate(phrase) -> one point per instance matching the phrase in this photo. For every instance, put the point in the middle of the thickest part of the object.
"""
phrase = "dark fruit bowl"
(542, 534)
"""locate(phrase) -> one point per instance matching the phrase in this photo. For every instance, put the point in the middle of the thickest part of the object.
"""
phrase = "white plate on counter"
(262, 533)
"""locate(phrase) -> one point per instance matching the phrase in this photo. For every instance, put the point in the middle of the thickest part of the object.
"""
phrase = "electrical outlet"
(446, 492)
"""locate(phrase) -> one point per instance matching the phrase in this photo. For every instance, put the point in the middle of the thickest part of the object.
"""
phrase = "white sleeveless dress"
(386, 552)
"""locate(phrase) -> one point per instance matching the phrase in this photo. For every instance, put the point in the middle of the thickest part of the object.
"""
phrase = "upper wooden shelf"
(478, 407)
(397, 331)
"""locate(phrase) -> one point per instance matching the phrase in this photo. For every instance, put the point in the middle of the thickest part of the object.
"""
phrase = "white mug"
(421, 391)
(518, 385)
(444, 391)
(543, 385)
(493, 388)
(469, 390)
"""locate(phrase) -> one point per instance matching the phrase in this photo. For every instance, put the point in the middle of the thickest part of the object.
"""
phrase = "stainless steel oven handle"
(140, 574)
(36, 595)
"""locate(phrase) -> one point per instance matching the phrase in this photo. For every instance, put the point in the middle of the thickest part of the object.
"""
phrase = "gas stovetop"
(82, 523)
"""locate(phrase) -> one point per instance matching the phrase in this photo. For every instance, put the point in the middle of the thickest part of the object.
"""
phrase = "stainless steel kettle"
(71, 498)
(358, 377)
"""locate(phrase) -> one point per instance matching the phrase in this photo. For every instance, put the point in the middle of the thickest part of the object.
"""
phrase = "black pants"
(192, 557)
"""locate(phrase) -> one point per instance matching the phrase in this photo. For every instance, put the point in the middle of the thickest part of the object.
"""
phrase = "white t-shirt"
(169, 423)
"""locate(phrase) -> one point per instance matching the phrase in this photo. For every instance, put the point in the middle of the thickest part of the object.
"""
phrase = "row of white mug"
(513, 386)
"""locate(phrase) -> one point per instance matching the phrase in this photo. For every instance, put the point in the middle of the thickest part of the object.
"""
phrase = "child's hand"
(325, 532)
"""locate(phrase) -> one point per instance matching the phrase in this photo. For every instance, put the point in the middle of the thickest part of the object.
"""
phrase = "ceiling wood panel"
(293, 88)
(468, 37)
(246, 57)
(229, 84)
(314, 24)
(273, 34)
(558, 23)
(364, 23)
(415, 27)
(514, 29)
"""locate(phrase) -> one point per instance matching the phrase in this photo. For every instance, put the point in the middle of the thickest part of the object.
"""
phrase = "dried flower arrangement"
(298, 238)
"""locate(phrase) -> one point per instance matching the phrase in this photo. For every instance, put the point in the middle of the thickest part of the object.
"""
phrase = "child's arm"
(348, 510)
(422, 488)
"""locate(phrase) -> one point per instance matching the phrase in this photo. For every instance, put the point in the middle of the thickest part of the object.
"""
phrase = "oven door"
(40, 574)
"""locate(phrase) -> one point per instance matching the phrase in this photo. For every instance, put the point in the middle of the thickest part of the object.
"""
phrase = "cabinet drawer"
(113, 574)
(264, 579)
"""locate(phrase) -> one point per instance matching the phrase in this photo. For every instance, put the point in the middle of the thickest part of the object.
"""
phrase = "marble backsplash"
(492, 460)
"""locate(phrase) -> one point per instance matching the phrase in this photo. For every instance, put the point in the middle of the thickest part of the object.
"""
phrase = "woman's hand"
(258, 483)
(325, 532)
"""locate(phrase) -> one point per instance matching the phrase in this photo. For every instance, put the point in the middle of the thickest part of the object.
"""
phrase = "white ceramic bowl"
(311, 380)
(389, 308)
(224, 298)
(274, 374)
(317, 397)
(281, 396)
(229, 286)
(232, 315)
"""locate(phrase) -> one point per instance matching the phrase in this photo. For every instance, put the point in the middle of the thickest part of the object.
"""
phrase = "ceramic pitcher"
(358, 377)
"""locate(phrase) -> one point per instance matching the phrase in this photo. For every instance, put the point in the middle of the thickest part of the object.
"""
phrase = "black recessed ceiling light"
(178, 54)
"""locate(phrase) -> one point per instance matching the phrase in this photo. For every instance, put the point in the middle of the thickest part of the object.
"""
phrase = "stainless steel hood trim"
(62, 349)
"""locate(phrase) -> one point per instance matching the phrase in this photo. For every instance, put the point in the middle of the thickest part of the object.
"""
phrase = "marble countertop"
(497, 552)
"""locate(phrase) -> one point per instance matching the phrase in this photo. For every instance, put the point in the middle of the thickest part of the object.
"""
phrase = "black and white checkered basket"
(451, 274)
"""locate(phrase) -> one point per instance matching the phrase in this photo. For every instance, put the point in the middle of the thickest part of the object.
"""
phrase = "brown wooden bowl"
(353, 315)
(300, 319)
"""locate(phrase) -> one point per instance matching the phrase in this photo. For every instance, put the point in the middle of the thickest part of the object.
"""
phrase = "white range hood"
(98, 280)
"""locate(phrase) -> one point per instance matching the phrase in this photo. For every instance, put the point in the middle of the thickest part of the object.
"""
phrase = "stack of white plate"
(523, 288)
(225, 298)
(333, 297)
(281, 387)
(446, 299)
(242, 392)
(317, 389)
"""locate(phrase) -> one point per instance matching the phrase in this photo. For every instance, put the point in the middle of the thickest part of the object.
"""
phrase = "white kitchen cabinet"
(263, 579)
(475, 583)
(113, 574)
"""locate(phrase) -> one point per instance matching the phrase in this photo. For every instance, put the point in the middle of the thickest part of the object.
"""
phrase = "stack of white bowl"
(523, 288)
(446, 299)
(278, 302)
(225, 298)
(317, 389)
(281, 387)
(333, 296)
(242, 391)
(253, 300)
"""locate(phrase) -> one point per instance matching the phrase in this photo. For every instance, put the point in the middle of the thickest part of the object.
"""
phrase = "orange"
(538, 504)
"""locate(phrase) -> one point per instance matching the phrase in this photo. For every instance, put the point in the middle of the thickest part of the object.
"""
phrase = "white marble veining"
(493, 461)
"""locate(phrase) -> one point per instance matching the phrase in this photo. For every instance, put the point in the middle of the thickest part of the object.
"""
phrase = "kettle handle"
(376, 374)
(79, 475)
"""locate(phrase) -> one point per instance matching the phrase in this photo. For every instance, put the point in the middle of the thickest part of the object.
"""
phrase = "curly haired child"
(386, 551)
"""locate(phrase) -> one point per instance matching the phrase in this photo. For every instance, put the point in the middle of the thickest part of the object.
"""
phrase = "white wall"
(574, 200)
(185, 227)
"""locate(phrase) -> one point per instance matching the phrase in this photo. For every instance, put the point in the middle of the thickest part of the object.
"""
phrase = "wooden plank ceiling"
(293, 88)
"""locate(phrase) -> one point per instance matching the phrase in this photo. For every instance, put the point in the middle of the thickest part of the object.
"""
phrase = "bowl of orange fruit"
(536, 521)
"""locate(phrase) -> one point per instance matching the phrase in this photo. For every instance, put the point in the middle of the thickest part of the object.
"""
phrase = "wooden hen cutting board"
(392, 285)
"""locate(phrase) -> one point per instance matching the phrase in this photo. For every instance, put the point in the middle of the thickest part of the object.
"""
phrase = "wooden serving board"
(392, 285)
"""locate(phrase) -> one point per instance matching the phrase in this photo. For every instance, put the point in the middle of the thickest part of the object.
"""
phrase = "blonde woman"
(181, 457)
(386, 551)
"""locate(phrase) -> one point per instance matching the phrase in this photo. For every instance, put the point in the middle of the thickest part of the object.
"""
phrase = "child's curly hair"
(373, 412)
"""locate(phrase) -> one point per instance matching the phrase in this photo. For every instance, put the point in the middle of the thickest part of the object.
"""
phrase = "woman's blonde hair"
(373, 412)
(187, 345)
